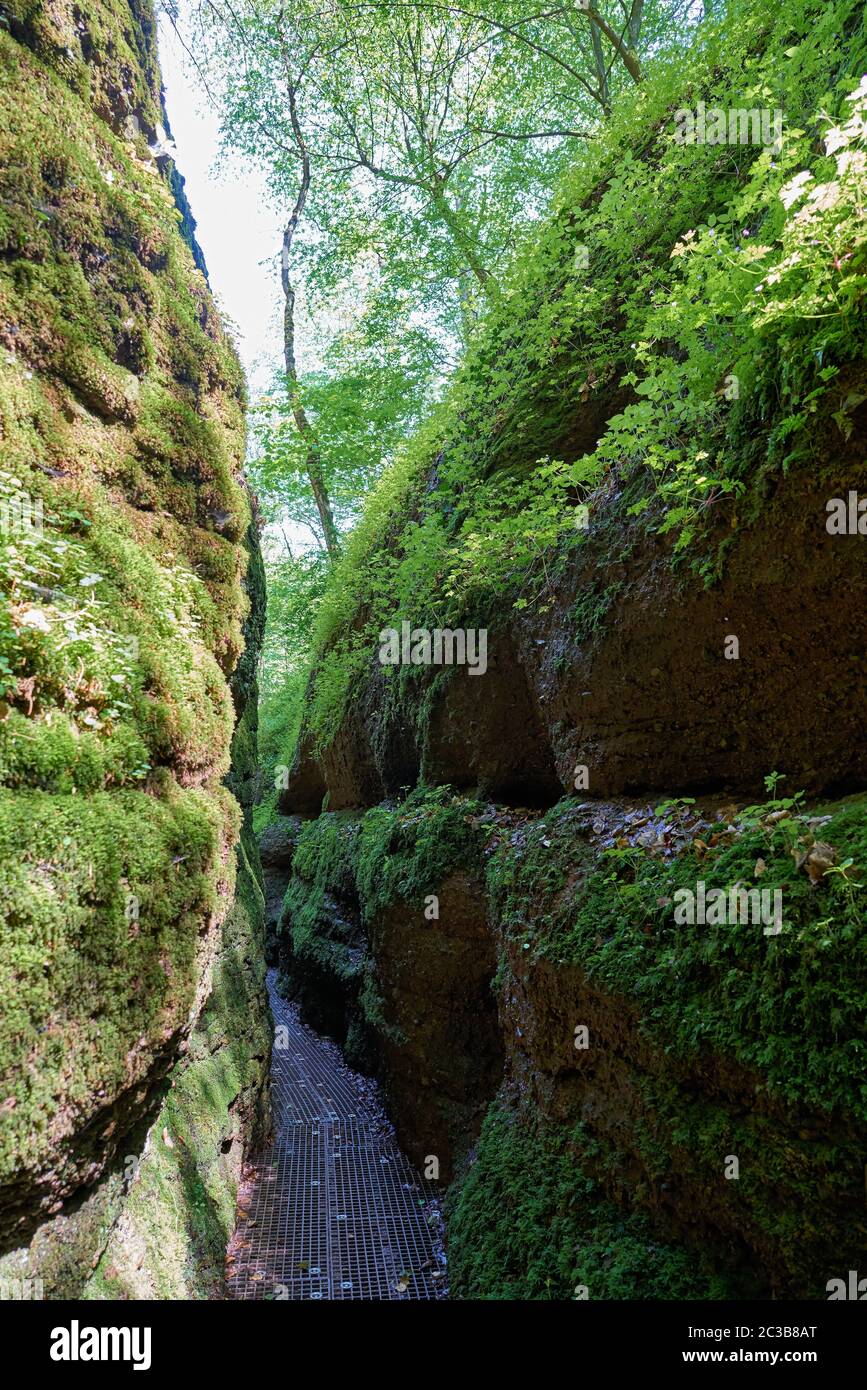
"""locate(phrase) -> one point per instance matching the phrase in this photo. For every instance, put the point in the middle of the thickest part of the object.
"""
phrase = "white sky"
(237, 229)
(240, 233)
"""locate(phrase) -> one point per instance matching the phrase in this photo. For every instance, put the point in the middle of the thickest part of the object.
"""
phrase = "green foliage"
(279, 724)
(730, 990)
(436, 130)
(364, 397)
(431, 136)
(528, 1222)
(295, 587)
(406, 852)
(705, 264)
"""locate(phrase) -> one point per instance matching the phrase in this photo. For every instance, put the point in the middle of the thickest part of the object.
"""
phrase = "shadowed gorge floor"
(334, 1210)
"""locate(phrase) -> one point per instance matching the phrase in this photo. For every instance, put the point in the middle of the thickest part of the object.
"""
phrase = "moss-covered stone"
(387, 948)
(787, 1004)
(609, 1165)
(133, 591)
(529, 1222)
(320, 940)
(179, 1213)
(705, 1077)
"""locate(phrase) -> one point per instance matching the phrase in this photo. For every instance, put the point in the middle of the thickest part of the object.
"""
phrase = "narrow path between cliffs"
(334, 1209)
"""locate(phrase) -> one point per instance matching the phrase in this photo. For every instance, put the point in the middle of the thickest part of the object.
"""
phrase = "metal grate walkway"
(334, 1209)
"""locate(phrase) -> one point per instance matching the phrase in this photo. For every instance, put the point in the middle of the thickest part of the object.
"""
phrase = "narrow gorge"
(475, 911)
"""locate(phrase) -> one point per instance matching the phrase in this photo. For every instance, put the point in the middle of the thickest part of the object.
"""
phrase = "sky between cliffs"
(238, 230)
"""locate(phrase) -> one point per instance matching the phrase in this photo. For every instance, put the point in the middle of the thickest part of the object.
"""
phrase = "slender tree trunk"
(630, 61)
(635, 23)
(313, 458)
(601, 70)
(463, 241)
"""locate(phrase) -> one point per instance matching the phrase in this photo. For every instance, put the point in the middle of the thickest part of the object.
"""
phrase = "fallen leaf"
(819, 859)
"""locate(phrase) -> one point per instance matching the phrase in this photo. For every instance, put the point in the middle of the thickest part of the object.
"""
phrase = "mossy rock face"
(179, 1211)
(530, 1221)
(705, 1077)
(385, 944)
(134, 604)
(277, 844)
(321, 946)
(632, 466)
(105, 950)
(682, 1111)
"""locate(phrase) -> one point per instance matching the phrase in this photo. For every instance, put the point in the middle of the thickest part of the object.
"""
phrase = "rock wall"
(672, 1107)
(626, 672)
(397, 974)
(134, 1046)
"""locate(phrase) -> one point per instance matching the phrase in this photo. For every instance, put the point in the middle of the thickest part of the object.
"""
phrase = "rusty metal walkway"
(334, 1209)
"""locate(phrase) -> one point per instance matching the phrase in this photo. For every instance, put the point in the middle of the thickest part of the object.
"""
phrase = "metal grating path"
(334, 1209)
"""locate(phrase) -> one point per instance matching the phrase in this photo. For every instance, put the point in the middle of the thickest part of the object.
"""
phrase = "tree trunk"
(463, 242)
(302, 423)
(630, 61)
(601, 70)
(635, 23)
(299, 414)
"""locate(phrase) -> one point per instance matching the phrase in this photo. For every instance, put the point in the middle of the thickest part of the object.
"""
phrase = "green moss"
(371, 1007)
(62, 1252)
(789, 1006)
(323, 868)
(798, 1195)
(407, 851)
(101, 291)
(180, 1209)
(735, 1043)
(608, 384)
(319, 940)
(347, 866)
(527, 1222)
(102, 900)
(113, 50)
(124, 614)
